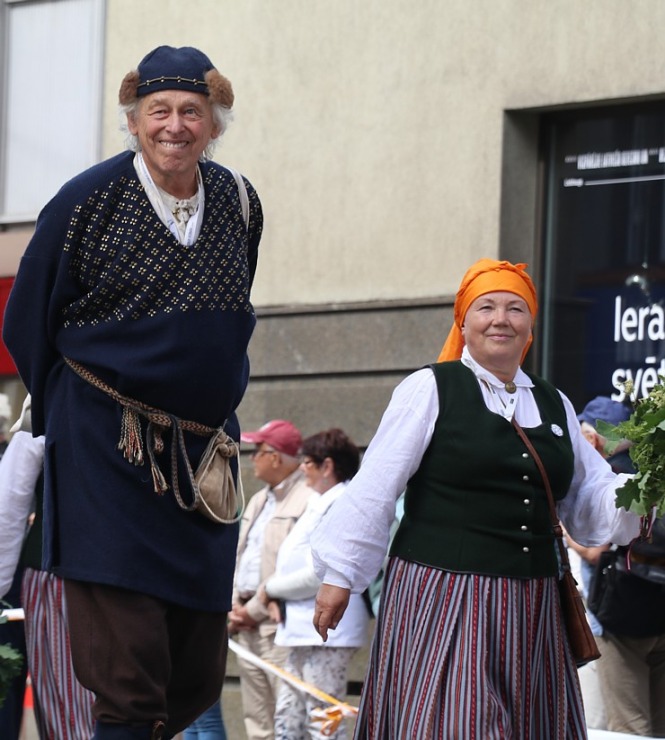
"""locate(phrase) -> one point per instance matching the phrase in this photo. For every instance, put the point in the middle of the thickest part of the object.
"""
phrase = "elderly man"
(270, 516)
(130, 317)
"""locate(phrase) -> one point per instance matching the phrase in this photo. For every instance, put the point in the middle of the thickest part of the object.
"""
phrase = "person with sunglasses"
(268, 519)
(329, 460)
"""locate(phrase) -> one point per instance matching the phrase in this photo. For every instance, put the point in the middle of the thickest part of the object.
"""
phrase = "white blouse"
(295, 582)
(350, 543)
(20, 469)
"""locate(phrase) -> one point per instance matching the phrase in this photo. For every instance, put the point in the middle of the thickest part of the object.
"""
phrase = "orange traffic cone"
(28, 702)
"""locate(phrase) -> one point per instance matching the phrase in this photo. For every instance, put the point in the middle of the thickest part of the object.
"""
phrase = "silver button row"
(527, 501)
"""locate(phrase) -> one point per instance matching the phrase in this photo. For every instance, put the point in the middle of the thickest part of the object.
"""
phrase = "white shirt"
(20, 468)
(248, 574)
(349, 545)
(186, 232)
(295, 582)
(294, 577)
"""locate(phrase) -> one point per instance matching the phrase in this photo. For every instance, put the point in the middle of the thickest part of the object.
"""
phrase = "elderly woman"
(470, 641)
(329, 460)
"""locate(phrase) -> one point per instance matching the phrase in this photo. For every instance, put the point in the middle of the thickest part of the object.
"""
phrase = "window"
(603, 298)
(50, 129)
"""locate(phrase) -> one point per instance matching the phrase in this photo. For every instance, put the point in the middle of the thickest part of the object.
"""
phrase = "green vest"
(477, 503)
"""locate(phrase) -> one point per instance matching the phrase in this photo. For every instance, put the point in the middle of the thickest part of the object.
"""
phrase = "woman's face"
(496, 330)
(313, 472)
(318, 476)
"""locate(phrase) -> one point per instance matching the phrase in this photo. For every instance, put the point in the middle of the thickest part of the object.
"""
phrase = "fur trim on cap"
(128, 88)
(219, 88)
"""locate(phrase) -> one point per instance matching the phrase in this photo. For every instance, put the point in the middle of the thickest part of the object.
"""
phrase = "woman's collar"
(521, 379)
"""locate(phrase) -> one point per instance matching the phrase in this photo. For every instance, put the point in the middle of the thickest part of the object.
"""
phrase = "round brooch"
(557, 430)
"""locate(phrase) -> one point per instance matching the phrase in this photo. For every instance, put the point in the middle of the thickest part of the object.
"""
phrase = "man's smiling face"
(173, 128)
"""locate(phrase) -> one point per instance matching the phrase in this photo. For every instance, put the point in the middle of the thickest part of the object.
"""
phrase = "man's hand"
(331, 603)
(240, 621)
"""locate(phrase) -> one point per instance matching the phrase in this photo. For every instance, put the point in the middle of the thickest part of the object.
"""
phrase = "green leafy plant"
(11, 662)
(645, 431)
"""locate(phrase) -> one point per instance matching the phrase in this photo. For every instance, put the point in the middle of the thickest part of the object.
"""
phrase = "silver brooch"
(557, 430)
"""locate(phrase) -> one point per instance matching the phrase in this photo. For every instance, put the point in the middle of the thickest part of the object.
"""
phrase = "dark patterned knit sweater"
(104, 282)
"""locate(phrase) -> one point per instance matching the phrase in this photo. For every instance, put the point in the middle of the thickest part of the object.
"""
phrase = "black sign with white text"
(604, 267)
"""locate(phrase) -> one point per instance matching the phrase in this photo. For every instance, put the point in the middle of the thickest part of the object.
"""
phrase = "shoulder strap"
(242, 191)
(556, 525)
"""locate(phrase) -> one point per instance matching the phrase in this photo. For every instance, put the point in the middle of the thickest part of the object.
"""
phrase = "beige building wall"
(374, 129)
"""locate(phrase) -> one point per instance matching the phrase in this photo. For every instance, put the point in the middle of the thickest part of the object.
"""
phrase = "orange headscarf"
(488, 276)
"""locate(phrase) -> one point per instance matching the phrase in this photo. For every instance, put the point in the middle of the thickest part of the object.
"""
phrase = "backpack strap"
(242, 192)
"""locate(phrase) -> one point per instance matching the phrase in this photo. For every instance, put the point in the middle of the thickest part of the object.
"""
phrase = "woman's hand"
(274, 611)
(331, 603)
(262, 595)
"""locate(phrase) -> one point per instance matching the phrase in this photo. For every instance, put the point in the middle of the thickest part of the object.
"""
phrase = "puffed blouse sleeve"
(19, 471)
(588, 511)
(350, 542)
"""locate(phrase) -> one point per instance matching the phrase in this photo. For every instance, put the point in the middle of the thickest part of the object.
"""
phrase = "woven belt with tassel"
(131, 441)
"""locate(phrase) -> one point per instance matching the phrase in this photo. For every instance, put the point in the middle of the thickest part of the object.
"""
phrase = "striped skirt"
(63, 708)
(469, 657)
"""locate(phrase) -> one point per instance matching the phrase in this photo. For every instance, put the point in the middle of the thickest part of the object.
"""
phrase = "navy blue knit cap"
(170, 68)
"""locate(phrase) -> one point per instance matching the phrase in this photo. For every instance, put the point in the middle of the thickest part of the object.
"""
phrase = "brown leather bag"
(581, 639)
(582, 642)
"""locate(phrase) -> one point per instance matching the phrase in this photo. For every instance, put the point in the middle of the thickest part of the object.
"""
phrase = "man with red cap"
(269, 517)
(130, 317)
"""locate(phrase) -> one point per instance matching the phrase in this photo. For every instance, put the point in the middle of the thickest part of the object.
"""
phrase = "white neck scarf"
(497, 398)
(186, 230)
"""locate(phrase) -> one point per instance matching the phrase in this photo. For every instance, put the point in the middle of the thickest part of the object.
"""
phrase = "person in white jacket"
(329, 460)
(63, 708)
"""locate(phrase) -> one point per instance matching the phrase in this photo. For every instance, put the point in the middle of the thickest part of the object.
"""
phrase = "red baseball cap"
(279, 434)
